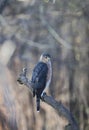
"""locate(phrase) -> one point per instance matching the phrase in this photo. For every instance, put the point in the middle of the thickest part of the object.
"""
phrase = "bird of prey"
(41, 77)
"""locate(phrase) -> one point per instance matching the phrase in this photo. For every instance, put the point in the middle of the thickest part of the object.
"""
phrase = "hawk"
(41, 77)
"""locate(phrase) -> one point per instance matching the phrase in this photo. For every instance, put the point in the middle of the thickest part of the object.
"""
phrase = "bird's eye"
(46, 57)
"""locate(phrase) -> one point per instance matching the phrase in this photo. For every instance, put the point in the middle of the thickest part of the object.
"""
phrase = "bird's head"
(45, 57)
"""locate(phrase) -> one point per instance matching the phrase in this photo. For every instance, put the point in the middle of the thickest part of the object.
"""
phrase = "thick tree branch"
(58, 106)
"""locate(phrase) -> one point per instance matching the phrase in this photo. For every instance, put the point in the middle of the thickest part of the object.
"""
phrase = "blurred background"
(27, 29)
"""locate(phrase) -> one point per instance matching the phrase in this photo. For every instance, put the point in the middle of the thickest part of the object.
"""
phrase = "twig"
(52, 31)
(32, 43)
(58, 106)
(24, 80)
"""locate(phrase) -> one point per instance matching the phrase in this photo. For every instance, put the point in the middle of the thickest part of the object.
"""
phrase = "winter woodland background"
(28, 28)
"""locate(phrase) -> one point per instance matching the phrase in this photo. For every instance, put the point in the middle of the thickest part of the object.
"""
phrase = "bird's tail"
(38, 103)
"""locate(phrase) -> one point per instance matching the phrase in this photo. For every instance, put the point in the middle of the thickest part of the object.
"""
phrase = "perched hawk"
(41, 77)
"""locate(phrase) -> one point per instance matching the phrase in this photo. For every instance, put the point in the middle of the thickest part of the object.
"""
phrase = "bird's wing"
(39, 74)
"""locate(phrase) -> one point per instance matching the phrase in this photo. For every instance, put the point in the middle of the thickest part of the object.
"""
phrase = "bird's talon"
(42, 95)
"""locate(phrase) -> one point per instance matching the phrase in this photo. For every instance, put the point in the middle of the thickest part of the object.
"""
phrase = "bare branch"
(32, 43)
(58, 106)
(24, 80)
(52, 31)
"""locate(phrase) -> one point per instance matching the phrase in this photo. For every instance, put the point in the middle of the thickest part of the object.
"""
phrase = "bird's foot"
(42, 96)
